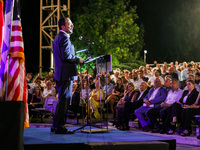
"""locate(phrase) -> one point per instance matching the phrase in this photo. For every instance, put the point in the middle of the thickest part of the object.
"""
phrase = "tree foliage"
(111, 24)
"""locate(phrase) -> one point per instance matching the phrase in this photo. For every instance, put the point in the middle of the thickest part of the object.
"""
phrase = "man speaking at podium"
(65, 73)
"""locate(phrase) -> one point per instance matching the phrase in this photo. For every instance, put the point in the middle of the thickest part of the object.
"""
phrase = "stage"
(42, 138)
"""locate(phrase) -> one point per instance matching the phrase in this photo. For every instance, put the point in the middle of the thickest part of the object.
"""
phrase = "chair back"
(48, 104)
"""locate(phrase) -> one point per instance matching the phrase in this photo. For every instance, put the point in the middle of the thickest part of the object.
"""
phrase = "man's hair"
(174, 79)
(140, 71)
(91, 78)
(190, 75)
(61, 22)
(198, 74)
(158, 71)
(189, 65)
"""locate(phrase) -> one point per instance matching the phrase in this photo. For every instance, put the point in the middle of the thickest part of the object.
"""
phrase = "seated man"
(49, 91)
(172, 96)
(154, 98)
(136, 81)
(75, 99)
(107, 89)
(131, 106)
(157, 75)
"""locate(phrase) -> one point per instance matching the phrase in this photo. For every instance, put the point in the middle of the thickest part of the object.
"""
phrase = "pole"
(8, 56)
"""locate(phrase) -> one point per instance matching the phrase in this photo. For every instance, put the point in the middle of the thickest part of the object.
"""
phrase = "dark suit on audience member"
(74, 103)
(130, 107)
(65, 73)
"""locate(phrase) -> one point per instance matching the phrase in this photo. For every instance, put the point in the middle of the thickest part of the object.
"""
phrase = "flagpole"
(8, 56)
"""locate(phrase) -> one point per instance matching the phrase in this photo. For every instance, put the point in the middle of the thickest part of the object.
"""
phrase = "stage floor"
(42, 136)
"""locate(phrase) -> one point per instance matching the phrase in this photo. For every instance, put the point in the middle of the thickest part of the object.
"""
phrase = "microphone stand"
(87, 100)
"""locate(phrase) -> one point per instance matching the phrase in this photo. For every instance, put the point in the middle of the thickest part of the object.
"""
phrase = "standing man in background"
(65, 73)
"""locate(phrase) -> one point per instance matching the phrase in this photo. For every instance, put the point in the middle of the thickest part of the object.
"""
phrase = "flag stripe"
(16, 38)
(16, 27)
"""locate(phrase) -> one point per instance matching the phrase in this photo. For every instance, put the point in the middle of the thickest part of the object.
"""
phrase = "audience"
(75, 99)
(154, 113)
(188, 98)
(131, 106)
(116, 94)
(94, 101)
(154, 98)
(129, 96)
(155, 87)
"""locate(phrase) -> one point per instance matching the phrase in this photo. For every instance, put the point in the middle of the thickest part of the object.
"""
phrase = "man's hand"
(163, 104)
(81, 60)
(147, 102)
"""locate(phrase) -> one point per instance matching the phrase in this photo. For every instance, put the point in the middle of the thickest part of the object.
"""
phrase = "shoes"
(146, 128)
(52, 128)
(156, 130)
(163, 131)
(185, 134)
(170, 132)
(173, 126)
(63, 131)
(125, 128)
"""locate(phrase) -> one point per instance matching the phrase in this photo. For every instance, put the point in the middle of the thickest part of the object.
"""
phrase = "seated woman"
(116, 94)
(188, 98)
(94, 101)
(36, 101)
(130, 95)
(187, 114)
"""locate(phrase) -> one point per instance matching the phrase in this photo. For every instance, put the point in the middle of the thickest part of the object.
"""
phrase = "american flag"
(1, 22)
(13, 45)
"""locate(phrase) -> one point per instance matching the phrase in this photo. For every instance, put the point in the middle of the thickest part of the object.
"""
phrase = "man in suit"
(131, 106)
(172, 96)
(155, 96)
(65, 72)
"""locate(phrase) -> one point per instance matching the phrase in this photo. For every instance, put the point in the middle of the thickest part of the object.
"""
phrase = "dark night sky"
(152, 13)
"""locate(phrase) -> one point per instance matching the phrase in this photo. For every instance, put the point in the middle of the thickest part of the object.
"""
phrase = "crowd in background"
(169, 92)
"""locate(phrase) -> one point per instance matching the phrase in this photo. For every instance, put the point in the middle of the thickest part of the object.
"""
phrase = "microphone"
(86, 40)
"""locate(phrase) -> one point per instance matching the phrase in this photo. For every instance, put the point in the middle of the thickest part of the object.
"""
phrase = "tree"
(111, 24)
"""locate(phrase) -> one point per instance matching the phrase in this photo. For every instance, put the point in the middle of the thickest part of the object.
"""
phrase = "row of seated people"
(171, 106)
(75, 104)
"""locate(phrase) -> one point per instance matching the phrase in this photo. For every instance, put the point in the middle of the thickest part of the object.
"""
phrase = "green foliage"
(111, 24)
(129, 66)
(44, 74)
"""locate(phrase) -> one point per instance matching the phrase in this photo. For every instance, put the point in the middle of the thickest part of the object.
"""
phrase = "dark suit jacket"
(140, 101)
(191, 98)
(65, 60)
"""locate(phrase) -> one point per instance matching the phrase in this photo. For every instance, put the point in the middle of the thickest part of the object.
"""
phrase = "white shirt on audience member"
(153, 78)
(173, 96)
(51, 91)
